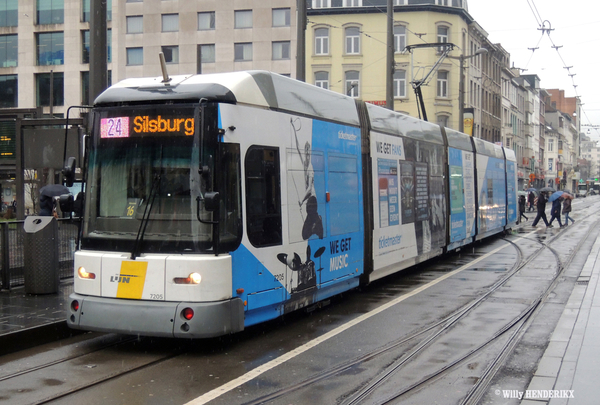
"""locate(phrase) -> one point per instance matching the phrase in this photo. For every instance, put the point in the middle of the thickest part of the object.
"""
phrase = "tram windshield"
(144, 182)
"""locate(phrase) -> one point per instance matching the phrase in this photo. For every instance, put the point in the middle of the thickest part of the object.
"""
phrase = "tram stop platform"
(28, 320)
(568, 370)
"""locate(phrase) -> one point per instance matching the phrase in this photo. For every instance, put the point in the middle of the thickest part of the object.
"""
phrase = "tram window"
(263, 196)
(343, 187)
(229, 181)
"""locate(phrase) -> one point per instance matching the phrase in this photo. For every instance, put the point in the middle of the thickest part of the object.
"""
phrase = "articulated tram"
(215, 202)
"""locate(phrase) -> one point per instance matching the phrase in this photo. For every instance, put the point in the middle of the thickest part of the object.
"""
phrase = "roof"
(257, 88)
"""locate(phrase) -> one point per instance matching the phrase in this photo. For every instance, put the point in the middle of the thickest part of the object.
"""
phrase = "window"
(242, 52)
(352, 3)
(50, 48)
(263, 196)
(322, 80)
(342, 177)
(135, 24)
(442, 36)
(399, 83)
(50, 12)
(281, 17)
(400, 2)
(443, 120)
(9, 50)
(442, 84)
(8, 13)
(443, 2)
(85, 10)
(352, 40)
(85, 45)
(85, 86)
(206, 21)
(9, 91)
(206, 53)
(135, 56)
(322, 41)
(171, 53)
(170, 22)
(243, 19)
(42, 85)
(321, 3)
(399, 38)
(550, 164)
(352, 83)
(281, 50)
(550, 145)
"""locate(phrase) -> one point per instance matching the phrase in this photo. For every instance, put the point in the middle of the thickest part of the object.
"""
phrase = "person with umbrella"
(47, 194)
(556, 200)
(541, 210)
(567, 208)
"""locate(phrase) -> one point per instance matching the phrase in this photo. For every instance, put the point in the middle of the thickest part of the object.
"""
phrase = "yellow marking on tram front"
(132, 279)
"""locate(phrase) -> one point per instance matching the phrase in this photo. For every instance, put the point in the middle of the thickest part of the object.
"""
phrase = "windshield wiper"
(146, 216)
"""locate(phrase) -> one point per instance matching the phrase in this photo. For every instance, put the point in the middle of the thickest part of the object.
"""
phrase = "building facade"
(346, 49)
(47, 42)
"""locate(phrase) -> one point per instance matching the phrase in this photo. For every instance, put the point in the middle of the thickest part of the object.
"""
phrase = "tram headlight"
(82, 273)
(193, 278)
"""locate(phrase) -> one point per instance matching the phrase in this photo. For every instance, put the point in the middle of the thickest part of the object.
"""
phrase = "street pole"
(98, 80)
(301, 41)
(461, 95)
(389, 74)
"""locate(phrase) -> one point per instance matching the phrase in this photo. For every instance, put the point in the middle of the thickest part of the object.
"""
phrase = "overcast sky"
(575, 32)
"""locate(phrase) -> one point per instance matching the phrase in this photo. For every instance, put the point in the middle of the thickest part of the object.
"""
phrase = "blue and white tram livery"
(215, 202)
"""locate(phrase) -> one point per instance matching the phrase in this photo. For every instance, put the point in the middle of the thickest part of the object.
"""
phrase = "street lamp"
(461, 86)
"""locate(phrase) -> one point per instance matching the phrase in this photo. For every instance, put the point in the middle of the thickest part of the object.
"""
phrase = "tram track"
(431, 333)
(78, 372)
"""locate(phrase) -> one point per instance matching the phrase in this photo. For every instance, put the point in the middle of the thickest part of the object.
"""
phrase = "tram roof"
(258, 88)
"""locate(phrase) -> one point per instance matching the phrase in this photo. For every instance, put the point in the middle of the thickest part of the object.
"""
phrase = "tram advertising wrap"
(216, 202)
(462, 195)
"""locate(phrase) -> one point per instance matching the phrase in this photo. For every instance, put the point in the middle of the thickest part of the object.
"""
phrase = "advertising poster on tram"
(462, 189)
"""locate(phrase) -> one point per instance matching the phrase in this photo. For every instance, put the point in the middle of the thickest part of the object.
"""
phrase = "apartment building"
(346, 48)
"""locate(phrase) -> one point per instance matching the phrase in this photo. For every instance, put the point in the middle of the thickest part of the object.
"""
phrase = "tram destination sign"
(146, 125)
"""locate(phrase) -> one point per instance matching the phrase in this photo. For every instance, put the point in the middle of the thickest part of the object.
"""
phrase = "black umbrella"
(53, 190)
(547, 190)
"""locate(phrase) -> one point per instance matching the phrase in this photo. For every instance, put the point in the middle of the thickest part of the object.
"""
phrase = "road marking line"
(233, 384)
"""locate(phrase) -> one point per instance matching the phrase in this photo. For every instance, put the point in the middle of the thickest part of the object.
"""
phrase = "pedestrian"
(567, 209)
(522, 207)
(555, 211)
(531, 200)
(541, 210)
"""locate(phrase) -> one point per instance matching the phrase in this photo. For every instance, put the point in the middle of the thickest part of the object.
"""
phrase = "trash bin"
(41, 255)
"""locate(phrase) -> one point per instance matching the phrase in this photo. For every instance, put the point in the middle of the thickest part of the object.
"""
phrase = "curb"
(39, 335)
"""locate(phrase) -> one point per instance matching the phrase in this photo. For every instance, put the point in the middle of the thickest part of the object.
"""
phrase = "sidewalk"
(27, 320)
(570, 366)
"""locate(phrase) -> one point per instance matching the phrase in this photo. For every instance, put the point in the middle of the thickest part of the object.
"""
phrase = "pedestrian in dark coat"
(541, 210)
(522, 207)
(555, 211)
(566, 210)
(530, 200)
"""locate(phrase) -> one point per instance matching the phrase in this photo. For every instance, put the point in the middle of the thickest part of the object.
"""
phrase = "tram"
(216, 202)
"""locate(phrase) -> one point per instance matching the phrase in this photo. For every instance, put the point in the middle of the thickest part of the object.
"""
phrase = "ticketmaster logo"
(344, 135)
(386, 241)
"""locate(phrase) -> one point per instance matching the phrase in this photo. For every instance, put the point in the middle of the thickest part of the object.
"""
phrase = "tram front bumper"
(155, 318)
